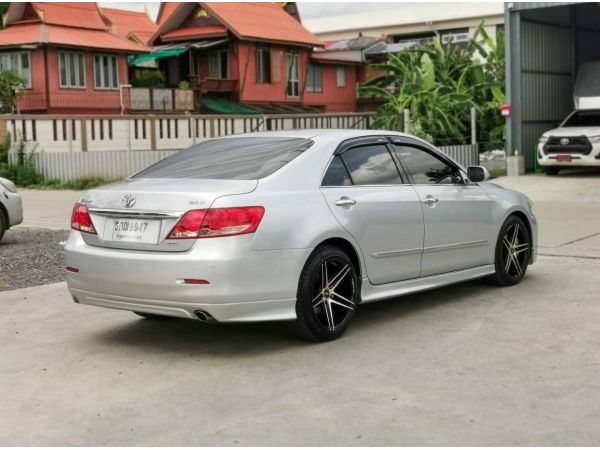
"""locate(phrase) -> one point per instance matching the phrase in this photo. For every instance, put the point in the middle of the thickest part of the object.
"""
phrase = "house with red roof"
(135, 26)
(72, 56)
(243, 56)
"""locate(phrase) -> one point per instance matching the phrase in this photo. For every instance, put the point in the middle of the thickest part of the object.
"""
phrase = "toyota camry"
(294, 226)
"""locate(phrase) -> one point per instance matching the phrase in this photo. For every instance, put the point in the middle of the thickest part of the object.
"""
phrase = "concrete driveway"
(469, 364)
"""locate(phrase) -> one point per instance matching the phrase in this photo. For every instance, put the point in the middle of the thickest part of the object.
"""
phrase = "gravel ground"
(31, 257)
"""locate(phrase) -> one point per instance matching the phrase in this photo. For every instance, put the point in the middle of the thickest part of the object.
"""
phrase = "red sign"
(506, 110)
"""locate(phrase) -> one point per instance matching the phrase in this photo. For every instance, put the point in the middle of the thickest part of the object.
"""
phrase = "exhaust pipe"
(205, 317)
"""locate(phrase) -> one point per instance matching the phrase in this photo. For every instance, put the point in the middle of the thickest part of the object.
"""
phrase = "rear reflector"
(194, 281)
(81, 220)
(72, 270)
(218, 222)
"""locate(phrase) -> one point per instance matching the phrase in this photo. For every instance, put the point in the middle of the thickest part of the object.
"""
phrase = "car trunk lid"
(138, 214)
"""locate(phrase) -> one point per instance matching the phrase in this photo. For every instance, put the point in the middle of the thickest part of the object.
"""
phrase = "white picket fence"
(116, 164)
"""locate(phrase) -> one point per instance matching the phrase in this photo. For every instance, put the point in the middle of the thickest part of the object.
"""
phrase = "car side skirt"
(372, 293)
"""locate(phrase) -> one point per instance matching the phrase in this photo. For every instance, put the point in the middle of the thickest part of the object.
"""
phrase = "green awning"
(223, 106)
(135, 60)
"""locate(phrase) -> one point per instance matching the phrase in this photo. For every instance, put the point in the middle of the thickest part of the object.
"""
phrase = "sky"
(308, 10)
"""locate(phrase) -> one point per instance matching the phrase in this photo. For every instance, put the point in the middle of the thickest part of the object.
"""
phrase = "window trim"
(296, 59)
(218, 52)
(310, 88)
(431, 151)
(365, 141)
(337, 77)
(110, 73)
(20, 53)
(260, 51)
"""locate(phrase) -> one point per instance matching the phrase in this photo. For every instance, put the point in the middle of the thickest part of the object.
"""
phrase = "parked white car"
(576, 142)
(11, 209)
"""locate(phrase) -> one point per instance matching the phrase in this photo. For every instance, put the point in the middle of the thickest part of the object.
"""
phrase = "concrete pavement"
(466, 365)
(47, 208)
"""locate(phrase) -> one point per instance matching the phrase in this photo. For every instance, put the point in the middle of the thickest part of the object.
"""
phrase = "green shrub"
(79, 184)
(184, 85)
(11, 87)
(149, 79)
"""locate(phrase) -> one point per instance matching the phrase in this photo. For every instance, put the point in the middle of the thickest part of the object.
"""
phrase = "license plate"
(564, 158)
(132, 230)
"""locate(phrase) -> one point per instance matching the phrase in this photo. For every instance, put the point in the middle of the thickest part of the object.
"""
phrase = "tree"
(3, 9)
(439, 84)
(11, 87)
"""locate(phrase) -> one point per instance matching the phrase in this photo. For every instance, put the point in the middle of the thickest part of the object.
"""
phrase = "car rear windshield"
(583, 119)
(243, 158)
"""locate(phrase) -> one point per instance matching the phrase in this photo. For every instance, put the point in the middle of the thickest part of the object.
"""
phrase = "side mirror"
(477, 174)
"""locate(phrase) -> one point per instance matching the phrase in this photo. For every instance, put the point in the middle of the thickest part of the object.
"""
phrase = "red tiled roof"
(262, 21)
(21, 34)
(165, 11)
(68, 24)
(77, 37)
(127, 22)
(75, 14)
(192, 32)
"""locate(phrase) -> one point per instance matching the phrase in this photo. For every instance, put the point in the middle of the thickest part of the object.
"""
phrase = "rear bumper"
(245, 285)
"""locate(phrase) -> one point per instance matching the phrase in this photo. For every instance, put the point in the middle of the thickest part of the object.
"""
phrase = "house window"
(314, 78)
(340, 76)
(106, 71)
(263, 65)
(293, 84)
(459, 36)
(218, 64)
(71, 69)
(414, 39)
(17, 62)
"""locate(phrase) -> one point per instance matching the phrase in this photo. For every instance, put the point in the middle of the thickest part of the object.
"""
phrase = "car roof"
(317, 132)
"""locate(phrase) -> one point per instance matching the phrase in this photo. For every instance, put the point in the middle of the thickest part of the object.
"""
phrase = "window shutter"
(276, 65)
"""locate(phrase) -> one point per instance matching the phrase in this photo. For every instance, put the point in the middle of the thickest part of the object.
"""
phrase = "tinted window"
(371, 164)
(247, 158)
(583, 119)
(426, 168)
(336, 174)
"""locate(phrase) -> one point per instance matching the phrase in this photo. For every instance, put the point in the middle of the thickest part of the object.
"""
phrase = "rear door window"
(243, 158)
(371, 165)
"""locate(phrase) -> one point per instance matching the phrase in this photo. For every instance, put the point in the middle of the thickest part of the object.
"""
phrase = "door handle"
(345, 201)
(430, 200)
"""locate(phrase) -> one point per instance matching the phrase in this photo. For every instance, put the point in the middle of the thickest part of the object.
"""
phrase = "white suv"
(575, 143)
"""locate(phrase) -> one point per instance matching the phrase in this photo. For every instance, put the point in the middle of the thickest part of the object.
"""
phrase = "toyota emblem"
(564, 141)
(128, 201)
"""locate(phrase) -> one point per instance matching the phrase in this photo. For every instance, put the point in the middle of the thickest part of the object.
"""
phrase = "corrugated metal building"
(545, 44)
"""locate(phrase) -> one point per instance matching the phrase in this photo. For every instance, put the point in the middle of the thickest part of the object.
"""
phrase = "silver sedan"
(11, 210)
(297, 226)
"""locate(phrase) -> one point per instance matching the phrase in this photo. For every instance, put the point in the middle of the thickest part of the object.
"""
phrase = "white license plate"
(132, 230)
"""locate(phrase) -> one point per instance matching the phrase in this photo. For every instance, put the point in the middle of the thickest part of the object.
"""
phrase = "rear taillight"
(208, 223)
(81, 220)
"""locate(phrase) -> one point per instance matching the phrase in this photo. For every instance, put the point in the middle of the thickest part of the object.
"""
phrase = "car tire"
(3, 224)
(151, 316)
(551, 170)
(513, 251)
(328, 293)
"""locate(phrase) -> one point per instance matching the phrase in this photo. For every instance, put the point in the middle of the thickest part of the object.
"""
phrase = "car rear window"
(583, 119)
(243, 158)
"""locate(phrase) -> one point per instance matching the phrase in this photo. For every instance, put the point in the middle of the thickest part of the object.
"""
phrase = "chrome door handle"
(430, 200)
(345, 201)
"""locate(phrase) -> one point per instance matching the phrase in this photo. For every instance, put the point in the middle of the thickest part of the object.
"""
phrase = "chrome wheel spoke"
(508, 262)
(341, 304)
(340, 276)
(516, 264)
(329, 314)
(341, 297)
(515, 236)
(517, 252)
(506, 243)
(319, 302)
